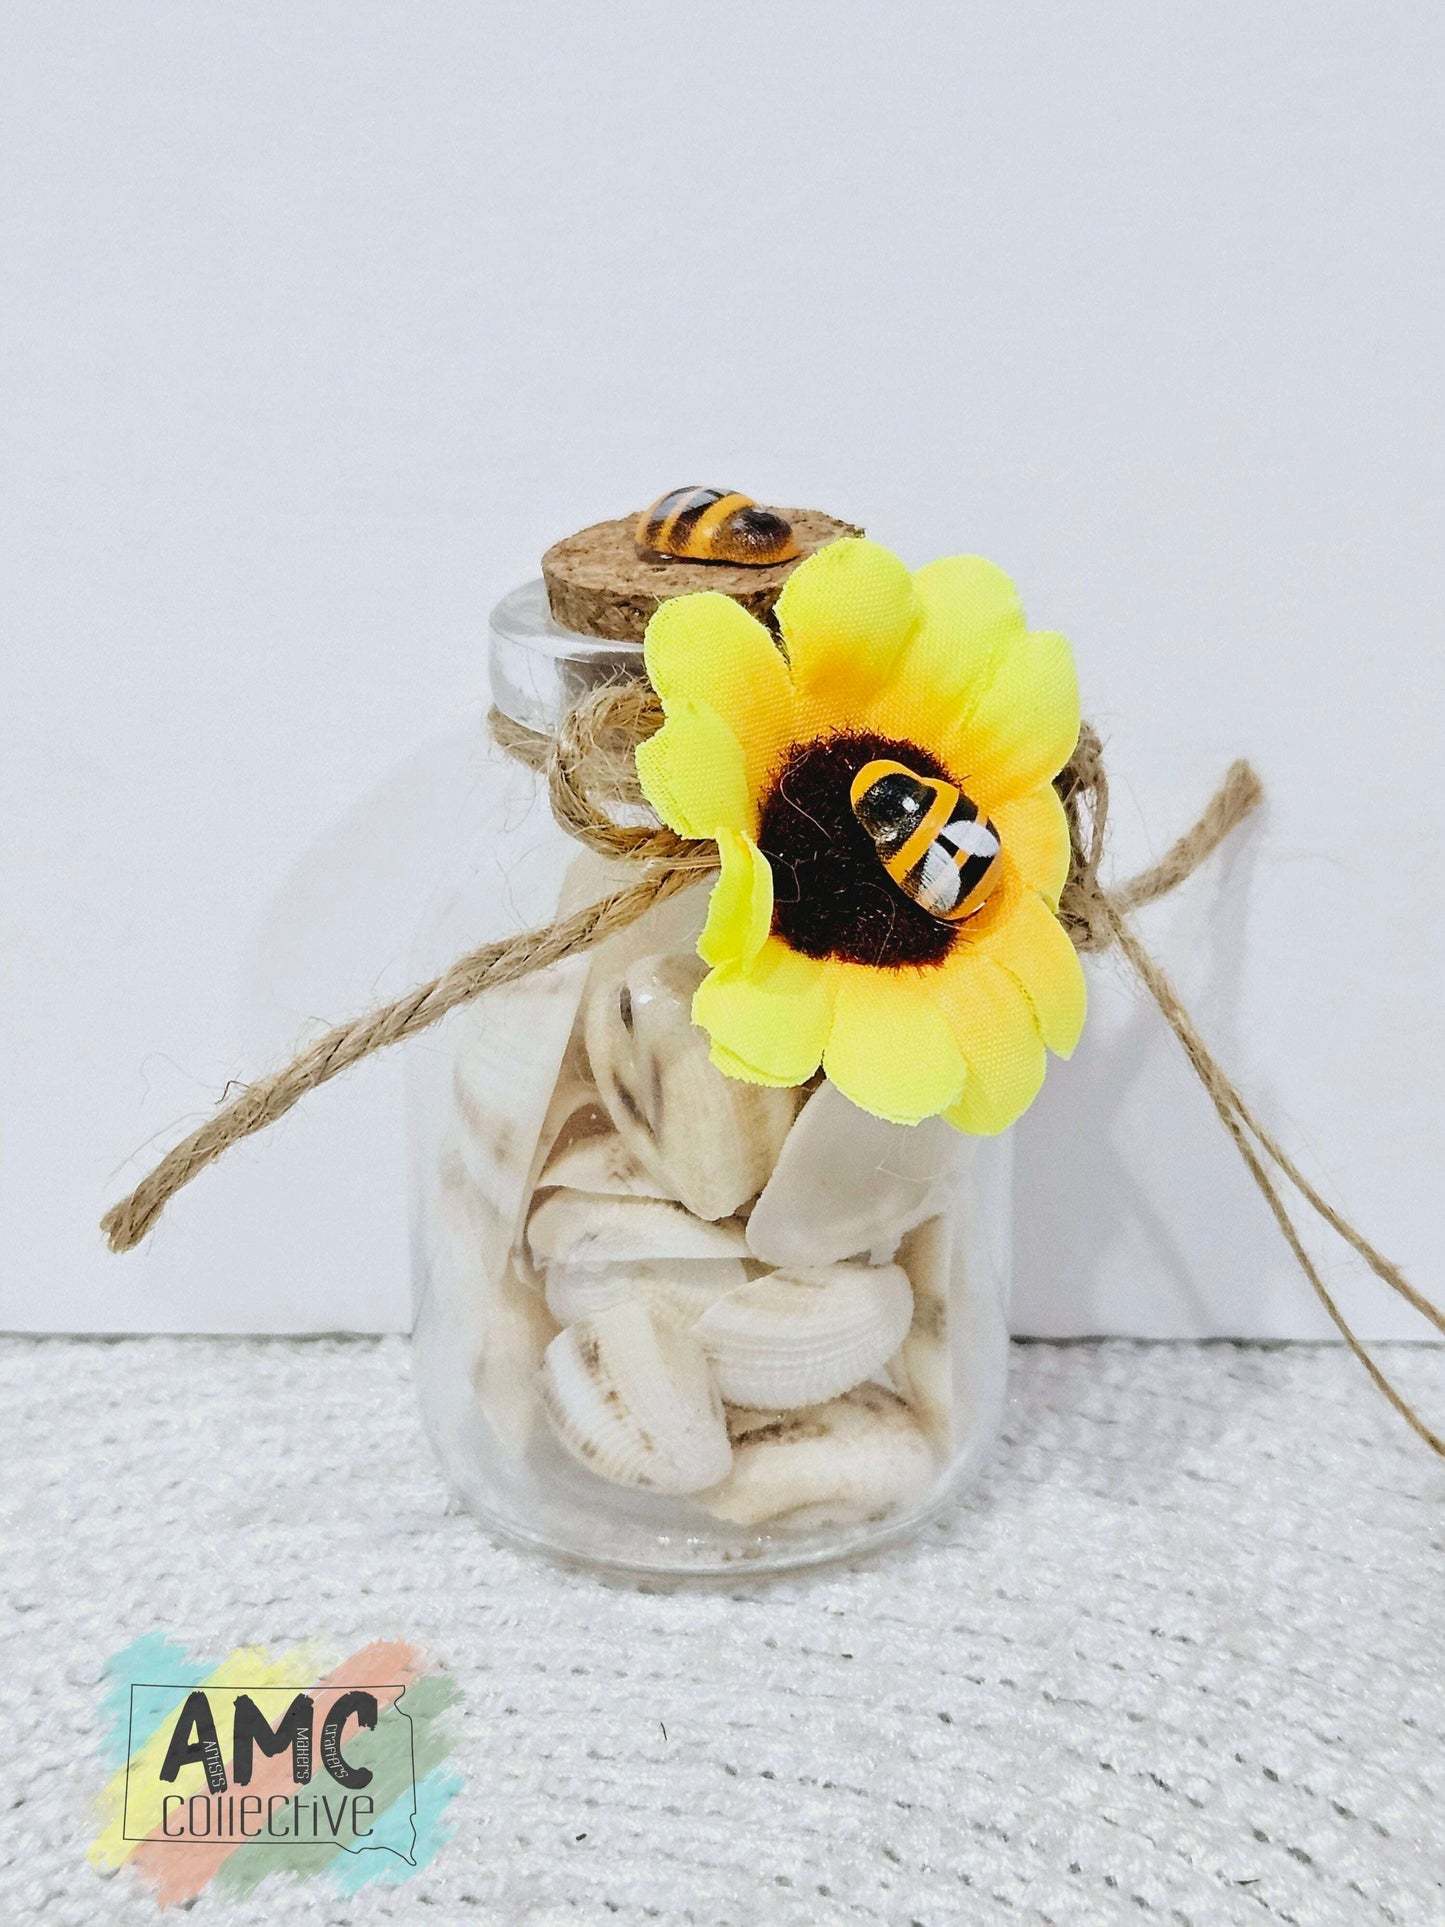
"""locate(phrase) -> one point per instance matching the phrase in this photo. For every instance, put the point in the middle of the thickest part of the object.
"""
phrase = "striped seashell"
(679, 1289)
(602, 1163)
(858, 1458)
(629, 1396)
(922, 1368)
(797, 1338)
(511, 1047)
(497, 1326)
(710, 1139)
(581, 1227)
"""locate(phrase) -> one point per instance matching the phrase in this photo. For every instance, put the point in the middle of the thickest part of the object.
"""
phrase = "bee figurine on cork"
(714, 525)
(929, 838)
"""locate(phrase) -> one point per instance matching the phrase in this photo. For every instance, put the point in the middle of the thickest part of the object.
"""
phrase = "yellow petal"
(845, 615)
(1033, 946)
(970, 612)
(1024, 726)
(1035, 832)
(892, 1051)
(731, 1066)
(740, 911)
(694, 774)
(971, 597)
(768, 1020)
(993, 1024)
(707, 647)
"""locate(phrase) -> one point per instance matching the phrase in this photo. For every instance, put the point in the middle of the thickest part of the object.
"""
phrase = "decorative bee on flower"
(929, 837)
(715, 525)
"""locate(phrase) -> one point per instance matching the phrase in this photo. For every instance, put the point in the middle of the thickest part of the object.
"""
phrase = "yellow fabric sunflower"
(817, 955)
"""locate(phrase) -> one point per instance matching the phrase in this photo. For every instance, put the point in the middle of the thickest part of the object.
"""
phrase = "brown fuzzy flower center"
(832, 896)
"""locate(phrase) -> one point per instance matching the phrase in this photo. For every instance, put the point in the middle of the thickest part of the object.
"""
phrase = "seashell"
(602, 1163)
(631, 1398)
(857, 1458)
(711, 1139)
(797, 1338)
(497, 1329)
(511, 1045)
(922, 1368)
(679, 1289)
(714, 525)
(573, 1113)
(583, 1227)
(847, 1182)
(572, 1110)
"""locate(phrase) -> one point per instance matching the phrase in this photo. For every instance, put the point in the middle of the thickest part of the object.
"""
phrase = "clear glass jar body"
(668, 1322)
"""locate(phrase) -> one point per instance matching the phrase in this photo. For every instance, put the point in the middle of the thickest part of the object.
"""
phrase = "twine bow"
(590, 775)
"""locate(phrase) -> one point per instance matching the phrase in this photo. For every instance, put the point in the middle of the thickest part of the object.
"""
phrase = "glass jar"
(668, 1322)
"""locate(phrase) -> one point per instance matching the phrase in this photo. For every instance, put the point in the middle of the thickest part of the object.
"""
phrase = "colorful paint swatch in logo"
(226, 1773)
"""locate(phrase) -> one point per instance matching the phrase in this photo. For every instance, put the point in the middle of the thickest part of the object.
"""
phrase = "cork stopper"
(600, 584)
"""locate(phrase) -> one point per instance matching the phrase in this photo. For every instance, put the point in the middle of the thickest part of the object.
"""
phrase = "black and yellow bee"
(929, 837)
(715, 525)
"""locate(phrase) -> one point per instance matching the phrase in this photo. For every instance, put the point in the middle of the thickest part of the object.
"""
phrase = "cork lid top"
(582, 624)
(599, 583)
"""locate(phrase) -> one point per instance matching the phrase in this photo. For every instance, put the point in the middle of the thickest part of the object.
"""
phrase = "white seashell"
(857, 1458)
(573, 1111)
(678, 1288)
(797, 1338)
(847, 1182)
(511, 1045)
(711, 1139)
(630, 1397)
(602, 1162)
(582, 1227)
(922, 1368)
(497, 1329)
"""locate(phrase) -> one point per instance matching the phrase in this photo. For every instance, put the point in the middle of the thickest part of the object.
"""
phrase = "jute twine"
(590, 774)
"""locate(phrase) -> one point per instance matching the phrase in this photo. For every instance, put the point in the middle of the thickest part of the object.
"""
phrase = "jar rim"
(538, 669)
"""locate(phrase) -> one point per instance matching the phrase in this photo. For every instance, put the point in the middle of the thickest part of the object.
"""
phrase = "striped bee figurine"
(714, 525)
(929, 837)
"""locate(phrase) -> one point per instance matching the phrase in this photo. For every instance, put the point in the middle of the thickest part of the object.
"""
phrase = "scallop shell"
(922, 1368)
(511, 1045)
(847, 1182)
(797, 1338)
(570, 1116)
(583, 1227)
(856, 1458)
(497, 1328)
(679, 1289)
(631, 1398)
(602, 1162)
(711, 1139)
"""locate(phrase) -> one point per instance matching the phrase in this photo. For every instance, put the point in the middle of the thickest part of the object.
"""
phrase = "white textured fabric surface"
(1178, 1659)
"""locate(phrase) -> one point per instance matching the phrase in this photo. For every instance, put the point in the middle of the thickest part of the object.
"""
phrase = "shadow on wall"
(1134, 1212)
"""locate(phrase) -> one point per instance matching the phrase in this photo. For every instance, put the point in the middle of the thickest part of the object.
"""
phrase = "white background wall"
(322, 321)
